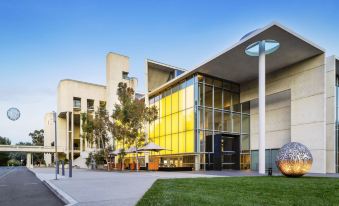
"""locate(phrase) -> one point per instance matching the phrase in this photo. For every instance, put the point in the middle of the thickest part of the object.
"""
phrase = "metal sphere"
(294, 159)
(13, 114)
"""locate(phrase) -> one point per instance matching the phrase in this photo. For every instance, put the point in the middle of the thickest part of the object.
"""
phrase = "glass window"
(151, 130)
(208, 119)
(190, 141)
(235, 88)
(209, 141)
(175, 102)
(182, 121)
(175, 144)
(245, 142)
(227, 122)
(217, 120)
(217, 83)
(168, 105)
(236, 102)
(182, 142)
(156, 128)
(162, 143)
(227, 100)
(236, 122)
(201, 94)
(162, 107)
(246, 107)
(190, 82)
(182, 99)
(201, 118)
(190, 96)
(208, 80)
(168, 124)
(208, 96)
(202, 141)
(189, 119)
(245, 124)
(162, 126)
(168, 144)
(175, 123)
(218, 98)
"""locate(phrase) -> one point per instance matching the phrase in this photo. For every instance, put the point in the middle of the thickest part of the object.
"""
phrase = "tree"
(20, 155)
(87, 128)
(129, 117)
(4, 155)
(37, 137)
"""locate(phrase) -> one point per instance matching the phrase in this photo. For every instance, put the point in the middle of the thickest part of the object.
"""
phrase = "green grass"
(243, 191)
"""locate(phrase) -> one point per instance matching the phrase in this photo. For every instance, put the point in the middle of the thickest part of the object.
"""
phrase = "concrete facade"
(75, 97)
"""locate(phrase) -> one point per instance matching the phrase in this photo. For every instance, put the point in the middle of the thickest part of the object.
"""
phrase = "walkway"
(88, 187)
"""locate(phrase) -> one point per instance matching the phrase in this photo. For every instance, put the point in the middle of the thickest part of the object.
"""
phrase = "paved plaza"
(91, 187)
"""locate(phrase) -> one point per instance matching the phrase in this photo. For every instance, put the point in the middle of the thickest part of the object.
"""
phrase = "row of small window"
(90, 103)
(206, 141)
(224, 121)
(173, 123)
(182, 142)
(221, 99)
(218, 83)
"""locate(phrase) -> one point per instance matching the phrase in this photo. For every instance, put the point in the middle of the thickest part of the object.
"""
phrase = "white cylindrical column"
(262, 107)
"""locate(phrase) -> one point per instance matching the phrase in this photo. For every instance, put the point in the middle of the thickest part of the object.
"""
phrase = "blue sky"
(42, 42)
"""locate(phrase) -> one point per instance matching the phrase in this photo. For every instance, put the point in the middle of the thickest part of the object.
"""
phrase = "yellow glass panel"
(182, 99)
(175, 145)
(182, 121)
(190, 141)
(189, 119)
(168, 124)
(175, 102)
(168, 105)
(162, 143)
(162, 126)
(175, 123)
(162, 107)
(189, 96)
(168, 144)
(156, 128)
(181, 142)
(151, 130)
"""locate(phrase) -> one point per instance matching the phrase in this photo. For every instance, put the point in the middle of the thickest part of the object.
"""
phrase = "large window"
(175, 126)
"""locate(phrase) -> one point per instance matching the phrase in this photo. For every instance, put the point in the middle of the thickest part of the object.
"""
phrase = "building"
(208, 116)
(75, 97)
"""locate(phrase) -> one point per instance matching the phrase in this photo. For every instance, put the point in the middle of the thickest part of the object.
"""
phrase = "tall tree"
(4, 156)
(87, 128)
(130, 116)
(37, 137)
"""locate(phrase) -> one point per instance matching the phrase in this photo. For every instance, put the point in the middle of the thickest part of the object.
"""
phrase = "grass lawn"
(243, 191)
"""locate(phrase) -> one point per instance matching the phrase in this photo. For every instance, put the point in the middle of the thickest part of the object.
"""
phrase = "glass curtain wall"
(174, 128)
(219, 112)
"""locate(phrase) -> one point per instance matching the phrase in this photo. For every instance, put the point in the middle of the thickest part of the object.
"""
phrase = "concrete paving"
(90, 187)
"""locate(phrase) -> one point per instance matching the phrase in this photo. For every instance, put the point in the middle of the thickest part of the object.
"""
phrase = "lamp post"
(55, 145)
(261, 49)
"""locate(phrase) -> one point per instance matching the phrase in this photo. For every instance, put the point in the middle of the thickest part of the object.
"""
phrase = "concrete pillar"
(197, 163)
(29, 160)
(262, 107)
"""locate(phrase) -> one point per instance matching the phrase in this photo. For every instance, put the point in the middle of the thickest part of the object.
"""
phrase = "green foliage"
(99, 158)
(87, 127)
(130, 116)
(13, 162)
(20, 155)
(37, 137)
(4, 155)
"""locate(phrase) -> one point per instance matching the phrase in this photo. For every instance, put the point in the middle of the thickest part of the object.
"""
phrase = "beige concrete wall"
(330, 113)
(49, 131)
(278, 121)
(306, 82)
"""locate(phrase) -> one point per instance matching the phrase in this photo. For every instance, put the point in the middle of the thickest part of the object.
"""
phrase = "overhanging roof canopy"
(234, 65)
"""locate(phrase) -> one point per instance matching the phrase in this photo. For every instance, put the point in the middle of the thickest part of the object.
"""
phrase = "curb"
(64, 197)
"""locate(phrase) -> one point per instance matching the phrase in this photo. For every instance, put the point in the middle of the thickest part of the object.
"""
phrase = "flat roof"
(82, 82)
(234, 65)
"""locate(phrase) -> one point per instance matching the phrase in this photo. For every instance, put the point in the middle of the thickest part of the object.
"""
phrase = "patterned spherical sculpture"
(294, 159)
(13, 114)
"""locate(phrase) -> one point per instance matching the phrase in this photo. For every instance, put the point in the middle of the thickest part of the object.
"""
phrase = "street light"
(261, 49)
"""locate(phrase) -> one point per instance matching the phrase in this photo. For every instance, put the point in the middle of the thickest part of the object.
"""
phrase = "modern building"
(208, 116)
(76, 97)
